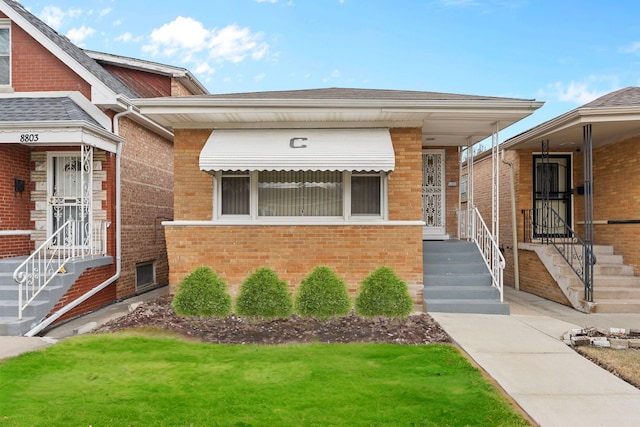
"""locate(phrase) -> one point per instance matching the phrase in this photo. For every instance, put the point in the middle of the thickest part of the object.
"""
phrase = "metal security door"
(433, 194)
(551, 189)
(70, 197)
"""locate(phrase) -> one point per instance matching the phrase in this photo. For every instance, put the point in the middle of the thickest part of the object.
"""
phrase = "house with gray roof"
(86, 179)
(352, 179)
(571, 224)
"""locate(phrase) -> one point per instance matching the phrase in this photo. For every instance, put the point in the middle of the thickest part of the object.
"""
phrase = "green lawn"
(134, 380)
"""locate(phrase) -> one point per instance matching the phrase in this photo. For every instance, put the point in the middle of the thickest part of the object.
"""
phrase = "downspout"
(514, 226)
(55, 316)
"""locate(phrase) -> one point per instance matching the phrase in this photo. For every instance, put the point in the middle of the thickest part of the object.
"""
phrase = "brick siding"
(14, 207)
(293, 251)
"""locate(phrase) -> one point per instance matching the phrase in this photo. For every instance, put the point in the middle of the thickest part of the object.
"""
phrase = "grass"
(134, 380)
(623, 363)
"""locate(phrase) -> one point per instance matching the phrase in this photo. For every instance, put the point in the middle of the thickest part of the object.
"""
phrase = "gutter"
(514, 226)
(49, 320)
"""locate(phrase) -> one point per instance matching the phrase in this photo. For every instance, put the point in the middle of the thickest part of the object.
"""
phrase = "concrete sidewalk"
(14, 346)
(553, 384)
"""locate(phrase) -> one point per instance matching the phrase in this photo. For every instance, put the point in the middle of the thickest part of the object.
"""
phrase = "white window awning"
(298, 149)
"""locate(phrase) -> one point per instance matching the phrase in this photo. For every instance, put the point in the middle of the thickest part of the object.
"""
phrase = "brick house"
(574, 193)
(84, 173)
(348, 178)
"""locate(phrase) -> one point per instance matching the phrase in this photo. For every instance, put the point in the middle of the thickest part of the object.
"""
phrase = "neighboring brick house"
(548, 163)
(348, 178)
(73, 147)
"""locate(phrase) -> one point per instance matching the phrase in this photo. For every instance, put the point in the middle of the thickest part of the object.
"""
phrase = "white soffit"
(298, 149)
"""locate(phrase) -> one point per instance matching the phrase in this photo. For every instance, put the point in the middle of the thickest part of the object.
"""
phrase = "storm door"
(552, 195)
(433, 194)
(69, 191)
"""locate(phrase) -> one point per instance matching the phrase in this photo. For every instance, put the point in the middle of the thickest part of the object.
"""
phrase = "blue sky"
(565, 52)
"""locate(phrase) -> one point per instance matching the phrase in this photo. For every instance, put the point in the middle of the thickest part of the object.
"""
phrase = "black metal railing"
(547, 226)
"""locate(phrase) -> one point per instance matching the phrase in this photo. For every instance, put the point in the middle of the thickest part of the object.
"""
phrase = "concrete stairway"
(44, 302)
(615, 288)
(457, 280)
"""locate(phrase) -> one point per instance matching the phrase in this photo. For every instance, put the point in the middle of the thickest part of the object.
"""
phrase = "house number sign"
(29, 137)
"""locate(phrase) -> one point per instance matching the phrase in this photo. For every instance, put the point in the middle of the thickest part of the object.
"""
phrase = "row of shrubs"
(321, 294)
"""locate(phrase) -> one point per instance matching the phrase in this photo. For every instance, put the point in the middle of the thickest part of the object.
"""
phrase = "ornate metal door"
(69, 198)
(552, 186)
(433, 193)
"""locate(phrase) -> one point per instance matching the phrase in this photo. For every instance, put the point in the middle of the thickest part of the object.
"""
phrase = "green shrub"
(264, 295)
(322, 294)
(383, 293)
(202, 293)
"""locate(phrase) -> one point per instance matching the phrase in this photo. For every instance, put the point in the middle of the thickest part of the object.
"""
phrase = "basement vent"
(145, 275)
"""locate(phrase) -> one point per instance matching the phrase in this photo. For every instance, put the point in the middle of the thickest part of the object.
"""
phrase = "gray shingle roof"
(349, 93)
(627, 97)
(42, 109)
(74, 51)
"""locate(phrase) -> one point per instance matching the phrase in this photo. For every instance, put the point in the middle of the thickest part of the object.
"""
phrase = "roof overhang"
(52, 134)
(443, 122)
(298, 150)
(565, 132)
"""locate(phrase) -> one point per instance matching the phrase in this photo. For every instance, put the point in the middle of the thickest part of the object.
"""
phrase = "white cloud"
(190, 39)
(578, 92)
(260, 77)
(127, 38)
(334, 74)
(104, 12)
(78, 35)
(267, 1)
(54, 16)
(631, 48)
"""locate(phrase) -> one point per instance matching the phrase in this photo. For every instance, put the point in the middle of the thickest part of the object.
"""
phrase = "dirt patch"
(415, 329)
(625, 364)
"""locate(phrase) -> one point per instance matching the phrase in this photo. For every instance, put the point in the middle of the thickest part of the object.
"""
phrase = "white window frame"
(5, 23)
(346, 216)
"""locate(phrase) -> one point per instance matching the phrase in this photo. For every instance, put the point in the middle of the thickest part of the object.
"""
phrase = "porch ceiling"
(565, 133)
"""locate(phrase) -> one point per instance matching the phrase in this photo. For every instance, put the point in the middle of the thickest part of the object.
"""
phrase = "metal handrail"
(472, 227)
(551, 228)
(73, 239)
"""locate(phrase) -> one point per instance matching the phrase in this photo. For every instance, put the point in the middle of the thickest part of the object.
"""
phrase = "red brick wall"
(293, 251)
(87, 281)
(15, 207)
(35, 69)
(147, 200)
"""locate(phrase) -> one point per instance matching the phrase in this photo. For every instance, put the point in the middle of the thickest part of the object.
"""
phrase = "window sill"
(293, 222)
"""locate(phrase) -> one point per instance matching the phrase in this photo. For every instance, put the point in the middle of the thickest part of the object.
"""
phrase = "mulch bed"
(415, 329)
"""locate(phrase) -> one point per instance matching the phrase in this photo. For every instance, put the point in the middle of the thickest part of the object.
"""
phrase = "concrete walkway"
(553, 384)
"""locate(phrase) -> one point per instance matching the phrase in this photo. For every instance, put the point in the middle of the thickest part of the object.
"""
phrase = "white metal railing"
(72, 240)
(472, 227)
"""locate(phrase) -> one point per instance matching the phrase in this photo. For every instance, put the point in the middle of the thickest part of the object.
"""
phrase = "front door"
(552, 187)
(69, 198)
(433, 194)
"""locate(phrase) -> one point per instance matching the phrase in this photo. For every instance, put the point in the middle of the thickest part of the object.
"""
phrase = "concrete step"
(10, 292)
(611, 293)
(9, 308)
(460, 257)
(455, 267)
(616, 281)
(448, 246)
(457, 279)
(601, 269)
(618, 306)
(467, 306)
(461, 292)
(11, 326)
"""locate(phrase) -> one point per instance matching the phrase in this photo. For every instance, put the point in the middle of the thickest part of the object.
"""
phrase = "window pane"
(4, 42)
(300, 193)
(365, 195)
(235, 195)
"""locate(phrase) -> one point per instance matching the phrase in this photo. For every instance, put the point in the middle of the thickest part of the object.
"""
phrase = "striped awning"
(298, 149)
